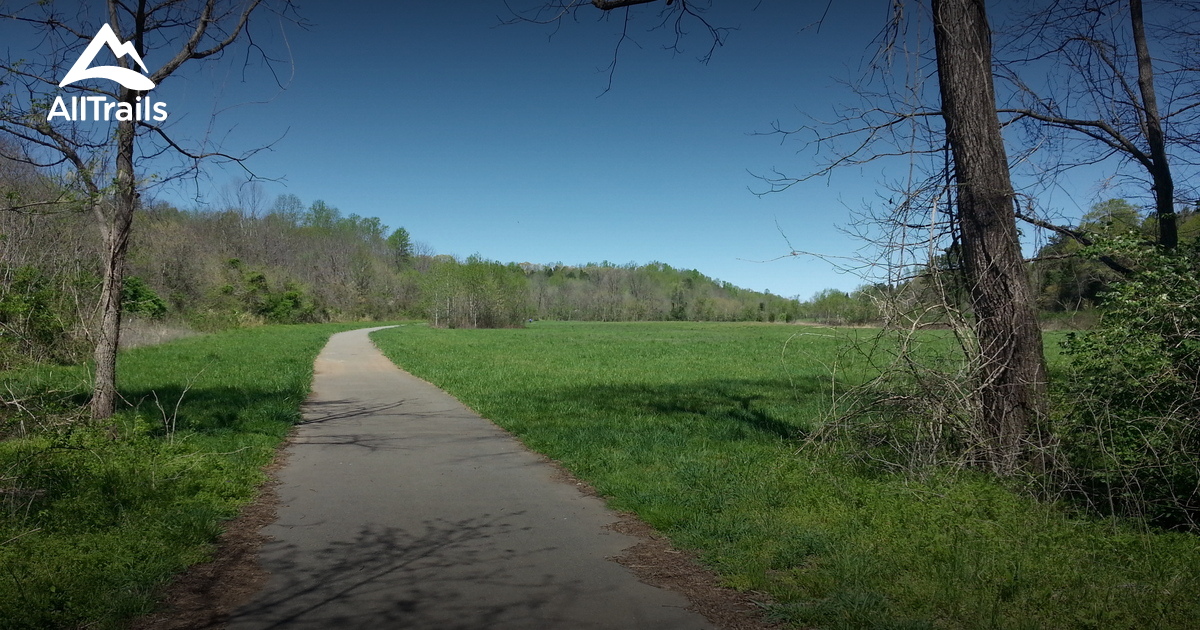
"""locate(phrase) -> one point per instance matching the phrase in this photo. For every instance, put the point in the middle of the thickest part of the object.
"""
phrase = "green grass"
(697, 429)
(95, 519)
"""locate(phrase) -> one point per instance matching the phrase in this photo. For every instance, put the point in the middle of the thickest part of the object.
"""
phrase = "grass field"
(93, 519)
(698, 429)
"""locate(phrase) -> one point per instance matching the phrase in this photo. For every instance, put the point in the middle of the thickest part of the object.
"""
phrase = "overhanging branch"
(609, 5)
(1077, 235)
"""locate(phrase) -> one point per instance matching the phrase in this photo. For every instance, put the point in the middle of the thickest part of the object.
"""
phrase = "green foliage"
(652, 292)
(38, 316)
(139, 299)
(476, 294)
(289, 306)
(697, 428)
(1067, 280)
(313, 264)
(1070, 279)
(1111, 218)
(301, 263)
(401, 247)
(1131, 416)
(322, 216)
(838, 308)
(95, 519)
(251, 293)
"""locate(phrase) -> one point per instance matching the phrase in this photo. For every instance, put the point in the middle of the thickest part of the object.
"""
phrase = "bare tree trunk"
(1011, 394)
(1160, 171)
(116, 222)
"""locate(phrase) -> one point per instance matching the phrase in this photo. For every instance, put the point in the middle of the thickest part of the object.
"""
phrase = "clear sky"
(484, 138)
(496, 139)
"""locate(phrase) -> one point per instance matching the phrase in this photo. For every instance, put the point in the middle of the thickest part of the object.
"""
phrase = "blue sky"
(496, 139)
(484, 138)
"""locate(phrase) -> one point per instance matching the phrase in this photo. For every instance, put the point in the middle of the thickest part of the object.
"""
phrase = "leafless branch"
(676, 15)
(609, 5)
(1077, 235)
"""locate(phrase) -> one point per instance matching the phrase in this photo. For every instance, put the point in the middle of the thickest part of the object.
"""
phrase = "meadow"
(700, 430)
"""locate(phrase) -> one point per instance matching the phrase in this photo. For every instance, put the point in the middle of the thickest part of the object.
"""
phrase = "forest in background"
(251, 263)
(1127, 442)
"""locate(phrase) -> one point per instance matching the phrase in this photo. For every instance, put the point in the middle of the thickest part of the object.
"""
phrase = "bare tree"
(1099, 100)
(1012, 390)
(103, 156)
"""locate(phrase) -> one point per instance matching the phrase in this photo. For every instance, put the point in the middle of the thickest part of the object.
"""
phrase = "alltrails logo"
(102, 108)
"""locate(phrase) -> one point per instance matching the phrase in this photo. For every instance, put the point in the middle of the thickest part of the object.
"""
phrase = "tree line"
(1069, 279)
(292, 262)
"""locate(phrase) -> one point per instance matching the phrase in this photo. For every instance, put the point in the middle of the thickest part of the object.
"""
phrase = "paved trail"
(401, 508)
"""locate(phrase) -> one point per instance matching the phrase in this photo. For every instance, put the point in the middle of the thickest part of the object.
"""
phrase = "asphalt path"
(401, 508)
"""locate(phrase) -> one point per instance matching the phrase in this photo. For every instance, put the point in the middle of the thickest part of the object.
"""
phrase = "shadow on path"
(401, 508)
(406, 579)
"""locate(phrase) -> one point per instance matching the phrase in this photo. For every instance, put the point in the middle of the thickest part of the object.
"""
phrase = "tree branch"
(1077, 235)
(609, 5)
(1113, 138)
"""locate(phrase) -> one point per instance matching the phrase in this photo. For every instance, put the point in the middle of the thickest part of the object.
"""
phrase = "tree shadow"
(211, 409)
(323, 411)
(441, 574)
(753, 405)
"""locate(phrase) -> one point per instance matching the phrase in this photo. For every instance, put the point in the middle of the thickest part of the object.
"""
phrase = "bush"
(139, 299)
(250, 298)
(38, 316)
(1131, 428)
(290, 306)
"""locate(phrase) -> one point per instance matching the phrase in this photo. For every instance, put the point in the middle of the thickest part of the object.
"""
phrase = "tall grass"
(698, 428)
(95, 517)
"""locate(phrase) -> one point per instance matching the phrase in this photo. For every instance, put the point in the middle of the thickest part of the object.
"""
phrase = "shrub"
(250, 297)
(139, 299)
(1130, 424)
(38, 316)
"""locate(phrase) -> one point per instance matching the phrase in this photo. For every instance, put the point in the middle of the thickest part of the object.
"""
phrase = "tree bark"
(1160, 170)
(115, 229)
(1011, 392)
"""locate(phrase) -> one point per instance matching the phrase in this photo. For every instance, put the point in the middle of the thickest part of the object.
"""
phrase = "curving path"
(401, 508)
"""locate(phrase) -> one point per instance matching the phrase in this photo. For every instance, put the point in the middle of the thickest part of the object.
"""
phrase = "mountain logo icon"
(126, 77)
